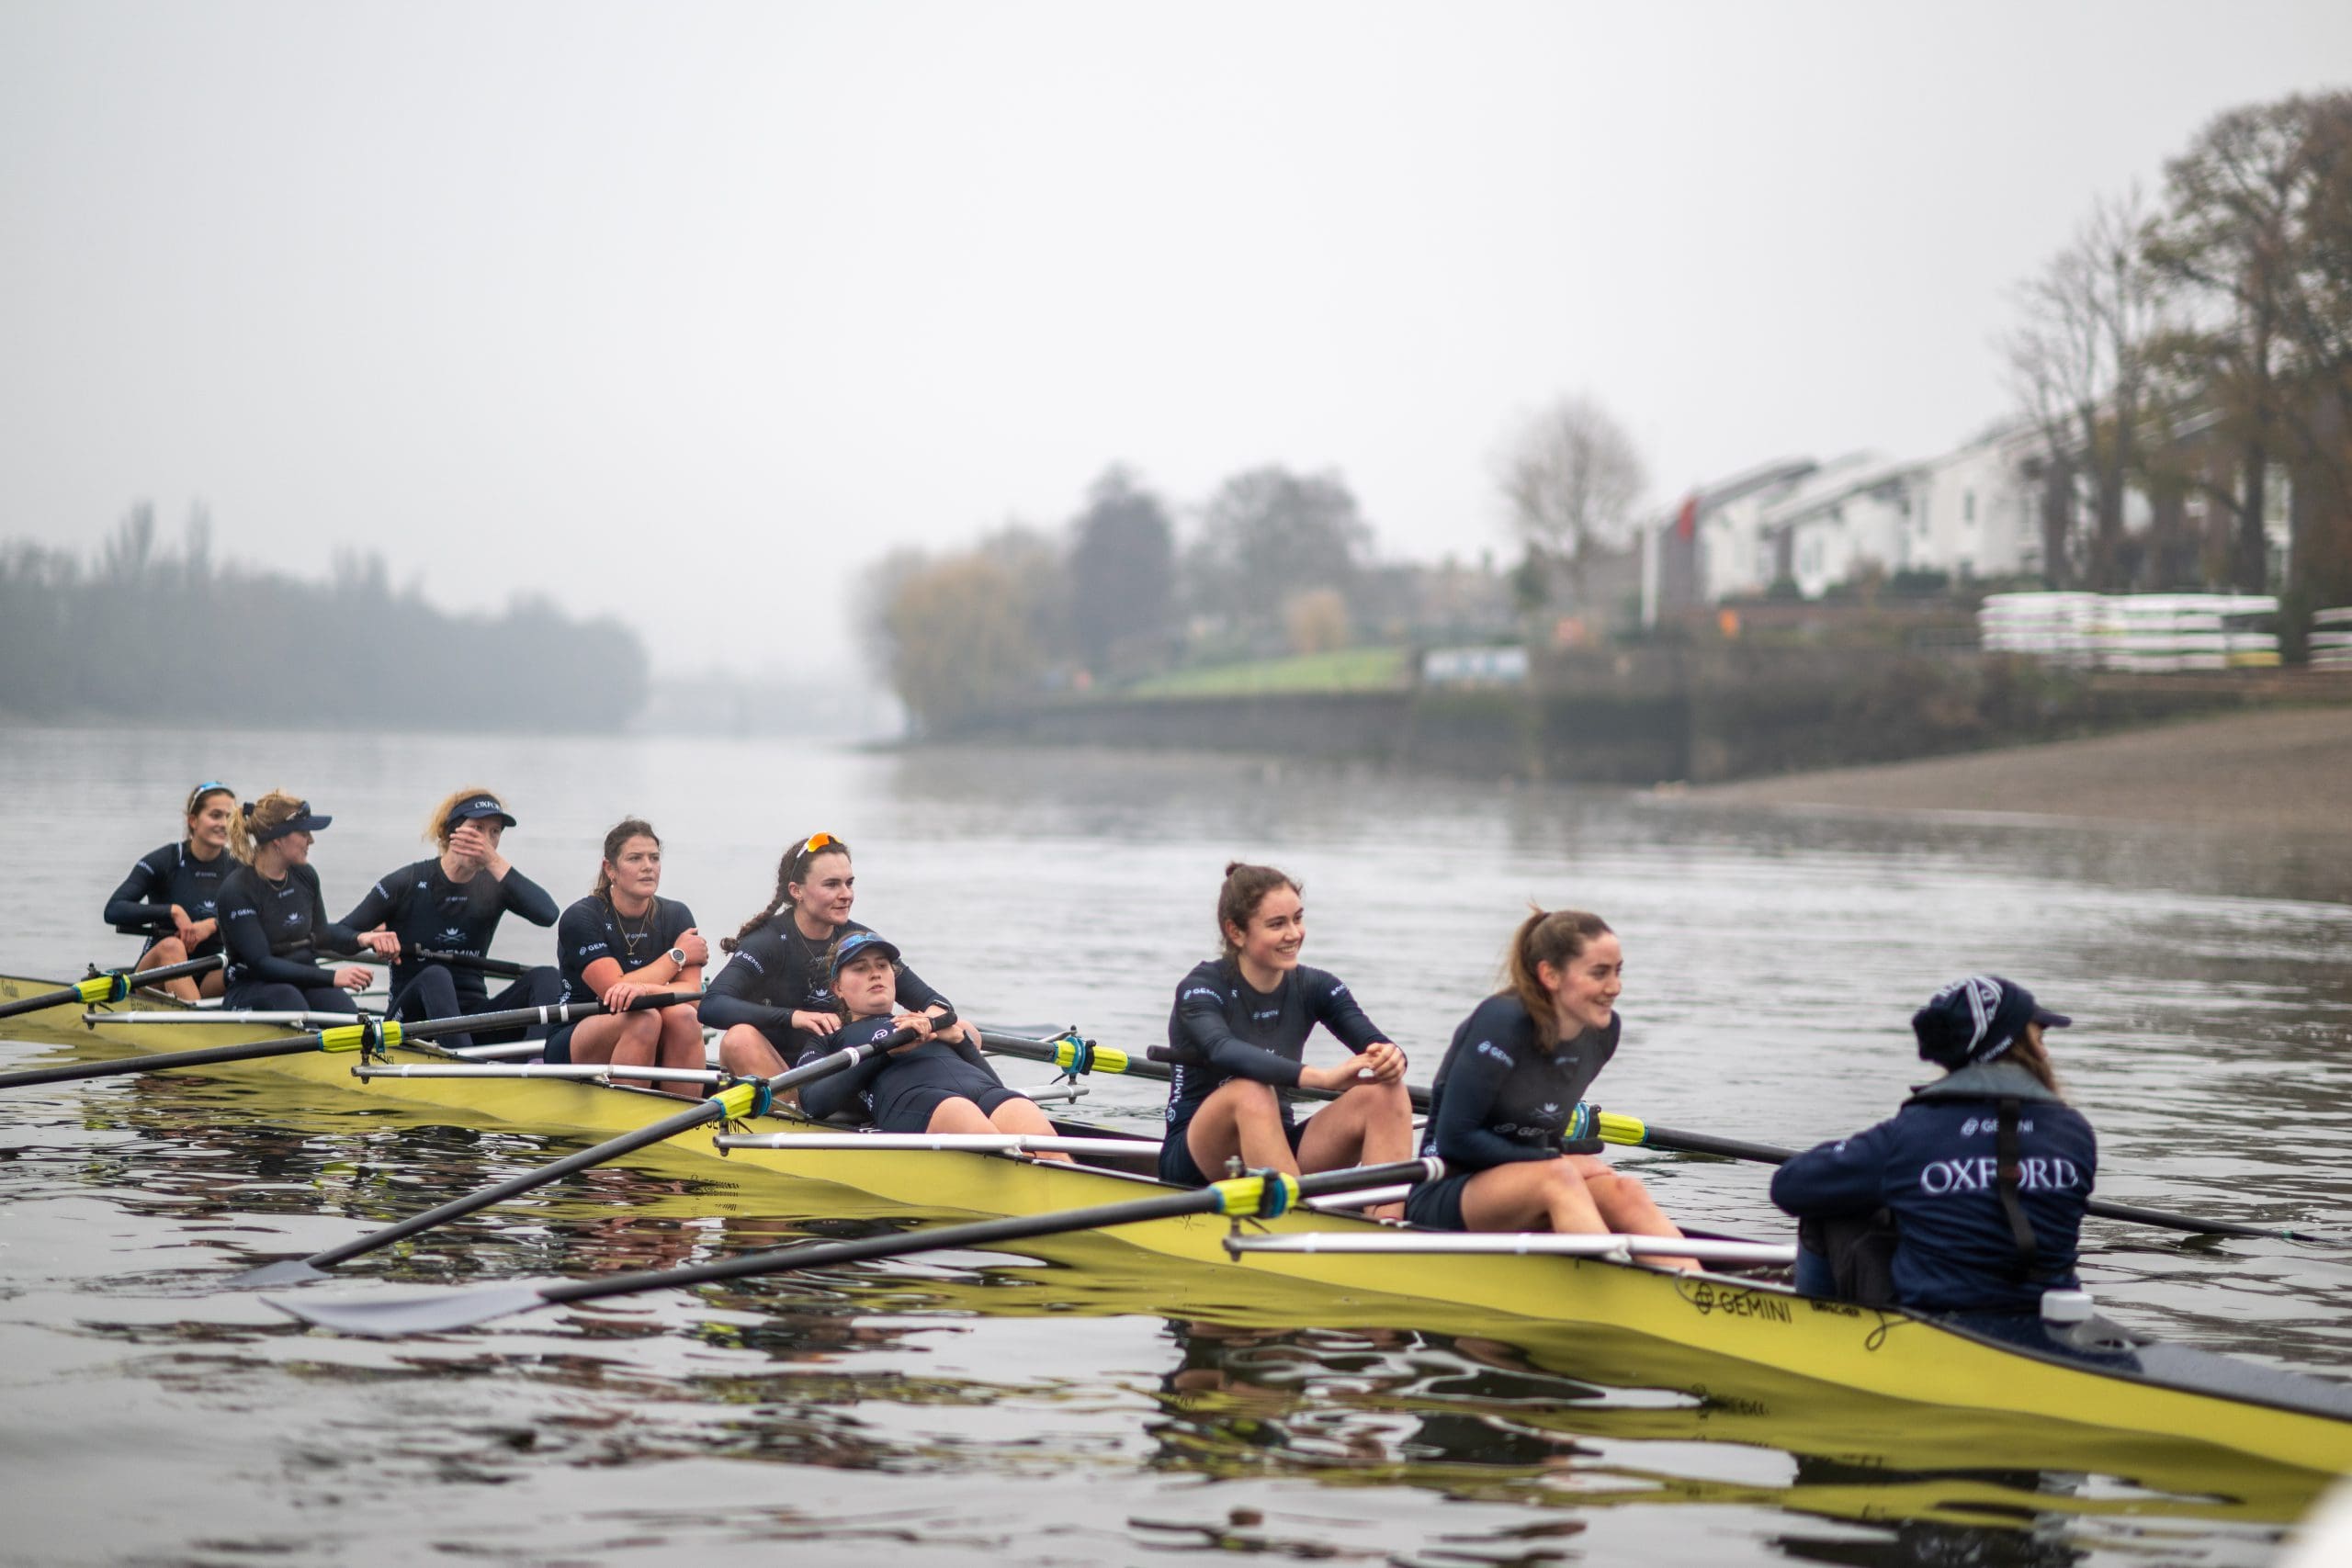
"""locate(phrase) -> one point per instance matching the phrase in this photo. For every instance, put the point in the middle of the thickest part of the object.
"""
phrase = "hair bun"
(1233, 865)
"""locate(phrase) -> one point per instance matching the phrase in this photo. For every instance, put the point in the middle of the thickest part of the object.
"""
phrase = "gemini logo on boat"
(1737, 1303)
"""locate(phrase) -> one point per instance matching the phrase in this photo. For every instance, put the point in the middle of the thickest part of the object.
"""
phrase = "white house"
(1852, 514)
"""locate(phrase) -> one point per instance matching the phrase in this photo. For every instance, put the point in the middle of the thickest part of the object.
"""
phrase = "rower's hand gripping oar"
(1263, 1195)
(111, 985)
(1074, 1056)
(367, 1036)
(1635, 1132)
(733, 1103)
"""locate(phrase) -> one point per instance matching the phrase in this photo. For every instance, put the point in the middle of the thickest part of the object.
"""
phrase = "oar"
(1633, 1131)
(1263, 1195)
(110, 987)
(503, 968)
(1073, 1055)
(737, 1101)
(367, 1034)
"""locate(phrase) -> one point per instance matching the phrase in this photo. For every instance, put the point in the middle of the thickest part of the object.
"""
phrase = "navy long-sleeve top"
(1933, 1165)
(1502, 1095)
(590, 929)
(778, 971)
(275, 930)
(421, 906)
(955, 1066)
(1220, 1029)
(165, 877)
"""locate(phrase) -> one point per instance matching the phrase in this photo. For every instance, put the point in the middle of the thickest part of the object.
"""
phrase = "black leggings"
(432, 993)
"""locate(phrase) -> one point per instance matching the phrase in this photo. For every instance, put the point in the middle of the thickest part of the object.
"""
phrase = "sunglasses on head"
(815, 843)
(196, 795)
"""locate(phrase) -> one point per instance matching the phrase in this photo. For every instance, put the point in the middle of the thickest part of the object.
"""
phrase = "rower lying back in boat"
(1237, 1034)
(1507, 1112)
(171, 894)
(451, 904)
(622, 942)
(775, 998)
(274, 917)
(937, 1083)
(1971, 1198)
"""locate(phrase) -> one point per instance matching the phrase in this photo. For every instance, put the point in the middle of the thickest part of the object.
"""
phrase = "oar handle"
(109, 986)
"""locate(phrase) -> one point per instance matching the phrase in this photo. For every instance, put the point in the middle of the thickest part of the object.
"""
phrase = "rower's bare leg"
(680, 1047)
(624, 1040)
(171, 951)
(1535, 1194)
(749, 1053)
(1370, 1124)
(1025, 1116)
(214, 982)
(1626, 1204)
(1244, 1119)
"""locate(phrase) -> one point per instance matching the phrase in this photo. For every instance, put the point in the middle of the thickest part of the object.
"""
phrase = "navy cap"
(857, 944)
(304, 820)
(480, 805)
(1977, 1018)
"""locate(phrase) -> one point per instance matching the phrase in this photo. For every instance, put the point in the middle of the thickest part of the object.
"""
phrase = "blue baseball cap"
(1976, 1019)
(480, 805)
(859, 943)
(304, 820)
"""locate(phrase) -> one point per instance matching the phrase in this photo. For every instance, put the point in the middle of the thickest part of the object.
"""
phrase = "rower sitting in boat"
(622, 942)
(1507, 1112)
(774, 997)
(451, 904)
(1971, 1198)
(939, 1083)
(274, 917)
(170, 894)
(1236, 1036)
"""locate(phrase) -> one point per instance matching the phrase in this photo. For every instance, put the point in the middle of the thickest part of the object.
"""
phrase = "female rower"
(274, 918)
(1983, 1174)
(774, 997)
(623, 941)
(1505, 1113)
(940, 1083)
(1237, 1034)
(450, 905)
(170, 894)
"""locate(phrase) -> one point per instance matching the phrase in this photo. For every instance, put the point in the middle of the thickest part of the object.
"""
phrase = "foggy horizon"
(685, 316)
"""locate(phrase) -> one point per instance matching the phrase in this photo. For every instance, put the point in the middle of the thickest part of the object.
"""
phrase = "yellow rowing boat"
(1856, 1378)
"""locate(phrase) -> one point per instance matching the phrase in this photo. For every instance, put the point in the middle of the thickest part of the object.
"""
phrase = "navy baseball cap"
(1977, 1018)
(859, 943)
(304, 820)
(479, 806)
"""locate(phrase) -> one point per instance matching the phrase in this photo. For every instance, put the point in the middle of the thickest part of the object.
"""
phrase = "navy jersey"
(1221, 1030)
(275, 930)
(592, 929)
(1501, 1096)
(1933, 1165)
(161, 878)
(421, 906)
(778, 971)
(955, 1066)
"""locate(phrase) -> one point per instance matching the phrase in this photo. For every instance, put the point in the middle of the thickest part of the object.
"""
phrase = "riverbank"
(2287, 771)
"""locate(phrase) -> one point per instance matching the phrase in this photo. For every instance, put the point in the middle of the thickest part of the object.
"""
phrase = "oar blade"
(291, 1271)
(391, 1317)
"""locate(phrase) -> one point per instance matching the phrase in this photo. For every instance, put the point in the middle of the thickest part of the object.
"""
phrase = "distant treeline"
(140, 631)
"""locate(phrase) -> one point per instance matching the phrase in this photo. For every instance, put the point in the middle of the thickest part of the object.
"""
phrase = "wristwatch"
(678, 957)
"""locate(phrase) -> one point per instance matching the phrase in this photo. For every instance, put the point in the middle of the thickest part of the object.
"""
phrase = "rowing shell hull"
(1648, 1321)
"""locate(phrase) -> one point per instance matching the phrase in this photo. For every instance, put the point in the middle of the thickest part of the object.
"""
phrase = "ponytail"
(2028, 1051)
(1552, 937)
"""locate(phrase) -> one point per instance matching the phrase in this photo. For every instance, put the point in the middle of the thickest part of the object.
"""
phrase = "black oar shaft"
(1655, 1136)
(251, 1051)
(981, 1233)
(110, 987)
(1058, 1053)
(504, 968)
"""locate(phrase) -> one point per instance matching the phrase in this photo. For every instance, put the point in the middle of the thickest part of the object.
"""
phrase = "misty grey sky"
(686, 311)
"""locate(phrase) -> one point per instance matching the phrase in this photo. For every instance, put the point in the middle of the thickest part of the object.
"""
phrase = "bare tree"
(1571, 478)
(2081, 363)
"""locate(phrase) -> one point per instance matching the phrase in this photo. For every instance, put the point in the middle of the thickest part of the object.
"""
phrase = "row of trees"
(143, 631)
(2195, 348)
(1277, 561)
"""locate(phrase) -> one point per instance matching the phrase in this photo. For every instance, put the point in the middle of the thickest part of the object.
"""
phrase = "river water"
(978, 1408)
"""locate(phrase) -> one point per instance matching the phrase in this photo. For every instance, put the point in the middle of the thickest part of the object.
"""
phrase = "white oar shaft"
(1365, 1200)
(216, 1015)
(963, 1143)
(499, 1052)
(1519, 1242)
(587, 1072)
